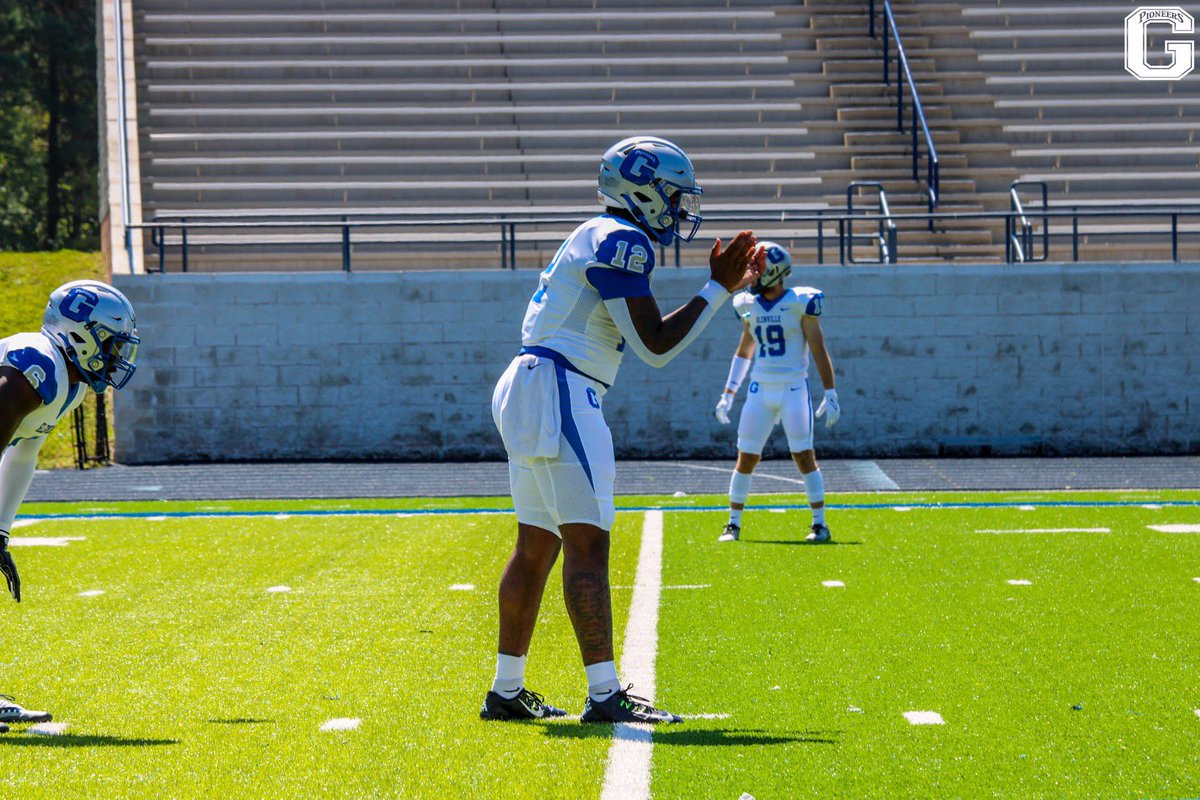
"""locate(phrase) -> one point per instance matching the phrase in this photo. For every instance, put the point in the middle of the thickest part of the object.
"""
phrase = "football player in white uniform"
(592, 302)
(88, 340)
(780, 327)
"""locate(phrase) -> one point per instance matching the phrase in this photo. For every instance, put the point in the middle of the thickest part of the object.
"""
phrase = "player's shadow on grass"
(78, 740)
(797, 541)
(711, 737)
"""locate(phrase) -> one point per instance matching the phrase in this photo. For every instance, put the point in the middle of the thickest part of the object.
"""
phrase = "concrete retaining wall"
(1061, 359)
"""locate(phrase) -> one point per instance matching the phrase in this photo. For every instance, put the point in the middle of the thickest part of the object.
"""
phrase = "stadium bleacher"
(402, 109)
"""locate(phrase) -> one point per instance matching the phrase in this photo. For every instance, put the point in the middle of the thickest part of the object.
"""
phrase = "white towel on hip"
(526, 407)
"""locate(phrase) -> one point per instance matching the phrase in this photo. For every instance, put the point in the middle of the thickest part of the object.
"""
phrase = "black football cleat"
(526, 705)
(3, 728)
(10, 712)
(625, 707)
(820, 535)
(730, 534)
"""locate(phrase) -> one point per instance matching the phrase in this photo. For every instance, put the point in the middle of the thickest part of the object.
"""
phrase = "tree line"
(49, 151)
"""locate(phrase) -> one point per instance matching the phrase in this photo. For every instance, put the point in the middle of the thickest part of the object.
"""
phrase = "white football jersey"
(604, 258)
(35, 356)
(781, 351)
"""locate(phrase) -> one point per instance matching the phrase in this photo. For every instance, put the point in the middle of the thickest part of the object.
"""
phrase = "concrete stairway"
(865, 117)
(1070, 115)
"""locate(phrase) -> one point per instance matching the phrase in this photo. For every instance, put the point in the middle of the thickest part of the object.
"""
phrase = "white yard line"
(43, 541)
(924, 718)
(627, 775)
(1044, 530)
(728, 470)
(1169, 528)
(871, 474)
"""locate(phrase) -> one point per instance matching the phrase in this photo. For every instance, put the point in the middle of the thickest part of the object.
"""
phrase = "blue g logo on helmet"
(78, 305)
(638, 167)
(775, 254)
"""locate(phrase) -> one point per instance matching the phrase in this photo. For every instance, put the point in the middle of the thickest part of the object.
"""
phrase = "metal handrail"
(885, 235)
(818, 224)
(933, 170)
(1019, 245)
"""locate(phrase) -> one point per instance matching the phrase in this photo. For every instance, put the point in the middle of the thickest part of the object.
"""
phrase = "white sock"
(602, 680)
(735, 516)
(510, 676)
(739, 487)
(814, 488)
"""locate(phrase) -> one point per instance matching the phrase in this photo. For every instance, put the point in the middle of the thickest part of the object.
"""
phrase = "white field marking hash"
(282, 516)
(924, 718)
(23, 523)
(1163, 528)
(92, 593)
(48, 729)
(341, 724)
(278, 589)
(43, 541)
(832, 584)
(901, 508)
(627, 773)
(155, 519)
(1044, 530)
(1152, 506)
(689, 586)
(1198, 712)
(778, 510)
(463, 587)
(1026, 508)
(1020, 582)
(1197, 580)
(706, 716)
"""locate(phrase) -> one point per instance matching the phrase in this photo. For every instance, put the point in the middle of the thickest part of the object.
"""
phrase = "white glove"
(829, 408)
(724, 406)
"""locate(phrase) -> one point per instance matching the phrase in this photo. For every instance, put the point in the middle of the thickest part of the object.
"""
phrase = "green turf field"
(186, 678)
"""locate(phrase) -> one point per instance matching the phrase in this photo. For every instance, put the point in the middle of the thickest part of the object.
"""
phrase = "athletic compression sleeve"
(16, 473)
(713, 294)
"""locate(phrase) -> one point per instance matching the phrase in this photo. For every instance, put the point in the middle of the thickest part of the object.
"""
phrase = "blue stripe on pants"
(568, 422)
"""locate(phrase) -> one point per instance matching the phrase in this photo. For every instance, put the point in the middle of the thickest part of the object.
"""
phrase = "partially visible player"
(780, 327)
(88, 340)
(592, 303)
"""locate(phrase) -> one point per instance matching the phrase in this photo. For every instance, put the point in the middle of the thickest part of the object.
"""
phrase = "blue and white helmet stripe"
(654, 180)
(94, 325)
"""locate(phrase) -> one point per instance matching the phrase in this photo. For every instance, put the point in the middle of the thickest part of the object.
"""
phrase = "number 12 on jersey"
(772, 343)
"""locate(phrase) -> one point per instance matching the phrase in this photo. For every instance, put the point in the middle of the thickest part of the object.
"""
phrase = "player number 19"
(773, 343)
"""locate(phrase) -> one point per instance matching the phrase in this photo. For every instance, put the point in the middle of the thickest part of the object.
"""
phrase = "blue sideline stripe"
(568, 422)
(391, 512)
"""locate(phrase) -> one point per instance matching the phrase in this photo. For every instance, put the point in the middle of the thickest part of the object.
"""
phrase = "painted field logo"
(1182, 51)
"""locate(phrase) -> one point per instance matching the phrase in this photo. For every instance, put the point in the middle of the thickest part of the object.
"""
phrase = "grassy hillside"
(26, 280)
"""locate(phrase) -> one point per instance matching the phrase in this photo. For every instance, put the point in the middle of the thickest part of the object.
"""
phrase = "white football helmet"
(654, 181)
(779, 266)
(95, 326)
